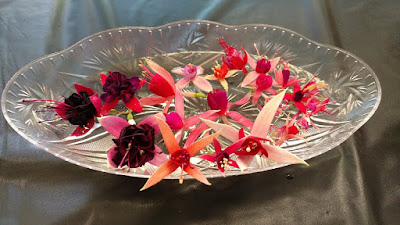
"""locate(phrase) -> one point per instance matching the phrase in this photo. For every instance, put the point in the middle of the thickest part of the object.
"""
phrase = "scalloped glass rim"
(54, 150)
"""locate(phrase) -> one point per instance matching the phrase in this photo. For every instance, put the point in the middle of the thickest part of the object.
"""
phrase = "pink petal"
(103, 78)
(151, 121)
(278, 77)
(194, 148)
(244, 161)
(159, 157)
(202, 84)
(252, 63)
(80, 88)
(280, 155)
(134, 105)
(200, 70)
(242, 101)
(107, 107)
(96, 101)
(113, 124)
(240, 119)
(226, 131)
(168, 136)
(179, 105)
(256, 96)
(264, 118)
(161, 172)
(210, 77)
(162, 72)
(292, 81)
(179, 71)
(191, 121)
(250, 77)
(83, 130)
(207, 157)
(274, 62)
(196, 173)
(152, 100)
(182, 83)
(194, 134)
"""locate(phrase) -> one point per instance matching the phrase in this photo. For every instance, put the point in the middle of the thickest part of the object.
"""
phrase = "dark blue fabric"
(355, 183)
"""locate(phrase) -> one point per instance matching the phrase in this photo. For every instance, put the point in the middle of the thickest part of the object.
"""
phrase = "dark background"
(358, 182)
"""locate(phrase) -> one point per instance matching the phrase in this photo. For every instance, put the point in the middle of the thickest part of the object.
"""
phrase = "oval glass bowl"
(354, 89)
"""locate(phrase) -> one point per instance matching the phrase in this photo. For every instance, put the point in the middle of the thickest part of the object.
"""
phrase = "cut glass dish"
(354, 89)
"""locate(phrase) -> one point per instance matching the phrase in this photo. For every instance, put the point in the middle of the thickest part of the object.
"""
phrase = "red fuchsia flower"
(220, 73)
(191, 73)
(263, 83)
(179, 157)
(80, 109)
(233, 58)
(134, 145)
(118, 87)
(282, 77)
(262, 66)
(299, 98)
(161, 83)
(221, 158)
(289, 131)
(256, 142)
(218, 102)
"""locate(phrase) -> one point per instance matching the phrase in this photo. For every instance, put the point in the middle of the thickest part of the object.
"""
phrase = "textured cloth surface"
(358, 182)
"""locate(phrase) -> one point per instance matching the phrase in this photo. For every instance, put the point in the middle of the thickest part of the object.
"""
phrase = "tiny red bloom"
(233, 58)
(220, 157)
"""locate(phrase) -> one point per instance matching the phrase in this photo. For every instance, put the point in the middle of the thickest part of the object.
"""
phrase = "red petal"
(80, 88)
(152, 100)
(134, 104)
(233, 163)
(107, 107)
(197, 118)
(168, 136)
(79, 131)
(60, 110)
(301, 107)
(194, 148)
(113, 124)
(162, 72)
(103, 78)
(195, 172)
(217, 146)
(162, 171)
(208, 157)
(96, 101)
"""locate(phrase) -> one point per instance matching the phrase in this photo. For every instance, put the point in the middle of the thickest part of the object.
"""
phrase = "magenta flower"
(289, 131)
(262, 66)
(191, 73)
(263, 83)
(221, 158)
(233, 58)
(299, 98)
(256, 142)
(218, 102)
(134, 145)
(118, 87)
(282, 77)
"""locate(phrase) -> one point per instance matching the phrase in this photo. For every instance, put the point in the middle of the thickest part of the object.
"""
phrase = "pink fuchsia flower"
(134, 145)
(256, 142)
(262, 66)
(282, 77)
(289, 131)
(218, 102)
(233, 58)
(221, 158)
(191, 73)
(118, 87)
(80, 108)
(263, 83)
(220, 73)
(162, 84)
(179, 157)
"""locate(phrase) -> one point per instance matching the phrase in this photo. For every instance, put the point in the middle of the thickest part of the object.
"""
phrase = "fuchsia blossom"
(282, 77)
(218, 102)
(298, 97)
(222, 158)
(179, 157)
(263, 83)
(220, 73)
(118, 87)
(191, 73)
(289, 131)
(262, 66)
(80, 109)
(233, 58)
(134, 145)
(256, 142)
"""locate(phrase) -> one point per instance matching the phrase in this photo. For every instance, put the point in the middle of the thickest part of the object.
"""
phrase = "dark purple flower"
(79, 109)
(135, 146)
(218, 100)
